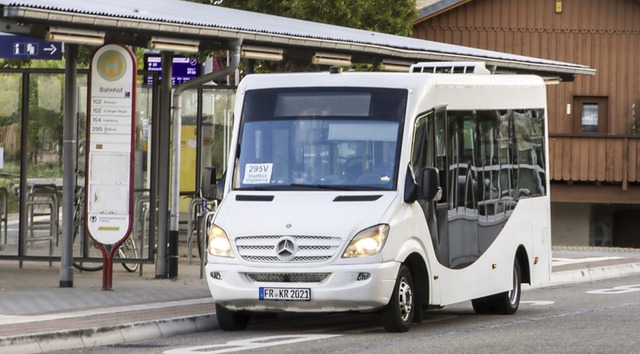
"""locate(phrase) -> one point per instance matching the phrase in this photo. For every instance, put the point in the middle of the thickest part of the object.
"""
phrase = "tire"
(128, 249)
(398, 314)
(87, 268)
(194, 235)
(507, 303)
(84, 266)
(199, 242)
(232, 320)
(481, 306)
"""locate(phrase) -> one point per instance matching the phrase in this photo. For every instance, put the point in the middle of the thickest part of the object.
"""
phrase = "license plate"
(284, 294)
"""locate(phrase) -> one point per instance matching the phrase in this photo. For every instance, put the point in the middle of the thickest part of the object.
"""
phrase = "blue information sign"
(184, 68)
(27, 48)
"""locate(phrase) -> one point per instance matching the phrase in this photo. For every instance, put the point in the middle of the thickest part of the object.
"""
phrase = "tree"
(387, 16)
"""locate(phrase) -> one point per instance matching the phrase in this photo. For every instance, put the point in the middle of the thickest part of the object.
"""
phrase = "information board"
(110, 140)
(183, 69)
(28, 48)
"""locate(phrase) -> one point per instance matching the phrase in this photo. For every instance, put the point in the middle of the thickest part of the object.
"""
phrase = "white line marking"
(9, 319)
(251, 343)
(556, 261)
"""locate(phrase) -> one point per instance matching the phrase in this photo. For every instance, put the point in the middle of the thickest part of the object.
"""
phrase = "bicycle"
(127, 249)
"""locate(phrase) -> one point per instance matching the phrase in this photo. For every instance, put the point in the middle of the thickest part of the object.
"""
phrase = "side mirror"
(208, 183)
(429, 185)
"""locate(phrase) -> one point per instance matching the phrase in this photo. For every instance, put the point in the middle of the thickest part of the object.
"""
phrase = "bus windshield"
(319, 138)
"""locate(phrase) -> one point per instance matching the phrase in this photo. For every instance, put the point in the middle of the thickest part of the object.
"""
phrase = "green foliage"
(635, 119)
(387, 16)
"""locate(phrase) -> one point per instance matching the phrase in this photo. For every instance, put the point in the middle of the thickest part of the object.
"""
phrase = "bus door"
(429, 150)
(463, 187)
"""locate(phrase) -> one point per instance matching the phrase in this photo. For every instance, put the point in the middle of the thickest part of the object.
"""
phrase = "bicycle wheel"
(195, 235)
(128, 249)
(78, 233)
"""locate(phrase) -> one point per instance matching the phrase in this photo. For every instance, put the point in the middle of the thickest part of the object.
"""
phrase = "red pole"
(107, 263)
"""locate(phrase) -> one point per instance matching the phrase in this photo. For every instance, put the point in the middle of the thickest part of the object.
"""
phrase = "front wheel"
(232, 320)
(398, 314)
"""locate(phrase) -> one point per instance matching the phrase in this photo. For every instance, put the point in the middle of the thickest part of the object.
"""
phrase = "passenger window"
(462, 183)
(419, 150)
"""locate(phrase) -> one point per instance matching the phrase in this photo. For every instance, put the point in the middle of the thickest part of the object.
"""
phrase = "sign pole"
(111, 127)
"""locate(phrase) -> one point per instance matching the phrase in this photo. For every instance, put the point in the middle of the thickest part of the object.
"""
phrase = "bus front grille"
(288, 277)
(300, 249)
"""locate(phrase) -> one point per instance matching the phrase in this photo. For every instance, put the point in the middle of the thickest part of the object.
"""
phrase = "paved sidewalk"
(38, 316)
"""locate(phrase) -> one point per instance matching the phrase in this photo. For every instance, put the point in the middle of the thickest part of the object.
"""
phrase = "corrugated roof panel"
(438, 7)
(202, 15)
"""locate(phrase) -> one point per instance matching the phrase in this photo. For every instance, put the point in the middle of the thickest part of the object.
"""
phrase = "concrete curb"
(595, 248)
(102, 336)
(593, 274)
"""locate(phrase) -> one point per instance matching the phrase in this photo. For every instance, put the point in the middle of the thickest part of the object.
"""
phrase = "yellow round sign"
(111, 65)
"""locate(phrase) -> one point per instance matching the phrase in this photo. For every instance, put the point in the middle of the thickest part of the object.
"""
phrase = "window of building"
(590, 114)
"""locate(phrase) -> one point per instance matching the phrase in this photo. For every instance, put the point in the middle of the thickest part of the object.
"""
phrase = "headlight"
(219, 243)
(367, 242)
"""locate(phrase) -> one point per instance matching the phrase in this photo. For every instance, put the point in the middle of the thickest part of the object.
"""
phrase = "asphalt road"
(596, 317)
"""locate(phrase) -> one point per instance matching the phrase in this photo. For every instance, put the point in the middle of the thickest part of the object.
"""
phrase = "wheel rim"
(514, 292)
(405, 300)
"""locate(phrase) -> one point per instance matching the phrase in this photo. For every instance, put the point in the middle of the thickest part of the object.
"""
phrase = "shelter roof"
(134, 22)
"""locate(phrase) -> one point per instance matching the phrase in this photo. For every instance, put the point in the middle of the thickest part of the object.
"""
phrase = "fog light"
(215, 275)
(363, 276)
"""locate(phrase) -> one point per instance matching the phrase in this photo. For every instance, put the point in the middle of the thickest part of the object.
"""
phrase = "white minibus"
(388, 192)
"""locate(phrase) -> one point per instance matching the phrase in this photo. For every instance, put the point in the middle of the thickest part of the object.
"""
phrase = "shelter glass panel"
(44, 156)
(10, 152)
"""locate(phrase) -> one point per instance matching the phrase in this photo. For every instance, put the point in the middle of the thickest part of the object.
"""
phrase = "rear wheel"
(505, 303)
(128, 249)
(481, 306)
(397, 315)
(90, 249)
(232, 320)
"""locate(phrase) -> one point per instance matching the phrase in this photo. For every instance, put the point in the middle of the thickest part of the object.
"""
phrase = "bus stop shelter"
(175, 26)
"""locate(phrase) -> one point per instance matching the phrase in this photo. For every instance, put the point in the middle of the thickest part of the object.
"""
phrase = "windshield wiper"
(263, 188)
(324, 186)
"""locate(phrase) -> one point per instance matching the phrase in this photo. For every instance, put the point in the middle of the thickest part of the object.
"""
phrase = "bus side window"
(419, 150)
(440, 142)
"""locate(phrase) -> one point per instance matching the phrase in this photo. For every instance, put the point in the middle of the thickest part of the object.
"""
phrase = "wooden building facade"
(593, 136)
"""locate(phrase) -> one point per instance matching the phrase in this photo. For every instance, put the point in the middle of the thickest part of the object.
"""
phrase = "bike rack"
(140, 214)
(43, 196)
(141, 225)
(196, 214)
(195, 209)
(4, 213)
(206, 221)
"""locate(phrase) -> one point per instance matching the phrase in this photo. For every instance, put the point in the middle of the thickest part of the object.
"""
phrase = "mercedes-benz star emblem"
(285, 248)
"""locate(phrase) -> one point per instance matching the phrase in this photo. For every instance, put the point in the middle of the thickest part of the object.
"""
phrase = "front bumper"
(341, 291)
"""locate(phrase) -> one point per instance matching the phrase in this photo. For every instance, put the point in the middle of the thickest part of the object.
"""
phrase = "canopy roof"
(135, 22)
